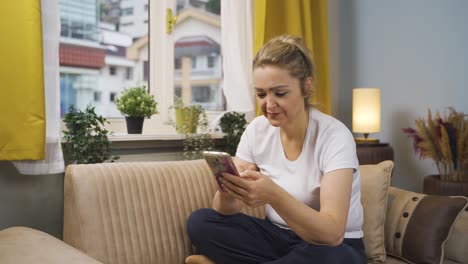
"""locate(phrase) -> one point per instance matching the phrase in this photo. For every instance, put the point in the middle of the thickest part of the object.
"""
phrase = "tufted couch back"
(135, 212)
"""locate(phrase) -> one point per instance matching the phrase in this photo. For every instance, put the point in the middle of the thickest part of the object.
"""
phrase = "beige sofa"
(136, 213)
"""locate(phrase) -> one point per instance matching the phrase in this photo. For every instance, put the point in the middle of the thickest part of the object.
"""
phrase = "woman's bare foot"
(198, 259)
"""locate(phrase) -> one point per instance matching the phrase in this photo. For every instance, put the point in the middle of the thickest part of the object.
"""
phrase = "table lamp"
(366, 113)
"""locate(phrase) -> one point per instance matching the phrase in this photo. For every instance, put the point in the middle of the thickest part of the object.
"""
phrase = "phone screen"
(220, 162)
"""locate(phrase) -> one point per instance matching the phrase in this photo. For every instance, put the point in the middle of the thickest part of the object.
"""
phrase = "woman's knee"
(199, 221)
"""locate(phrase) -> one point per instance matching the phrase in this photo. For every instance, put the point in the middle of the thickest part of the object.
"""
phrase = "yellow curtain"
(22, 109)
(305, 18)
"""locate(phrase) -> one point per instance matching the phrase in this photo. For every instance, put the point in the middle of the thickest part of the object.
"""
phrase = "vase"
(435, 186)
(187, 120)
(134, 124)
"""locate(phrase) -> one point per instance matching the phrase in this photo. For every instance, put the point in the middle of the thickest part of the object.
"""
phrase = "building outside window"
(126, 11)
(104, 48)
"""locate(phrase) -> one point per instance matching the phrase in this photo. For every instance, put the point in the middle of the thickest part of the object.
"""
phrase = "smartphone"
(220, 162)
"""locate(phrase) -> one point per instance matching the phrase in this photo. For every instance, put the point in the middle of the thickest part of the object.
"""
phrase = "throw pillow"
(418, 225)
(375, 180)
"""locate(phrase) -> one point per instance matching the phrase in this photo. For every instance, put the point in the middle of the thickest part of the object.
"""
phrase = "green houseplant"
(444, 139)
(233, 125)
(135, 104)
(86, 139)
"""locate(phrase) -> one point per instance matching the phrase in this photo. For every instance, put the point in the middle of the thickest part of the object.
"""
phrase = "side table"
(374, 153)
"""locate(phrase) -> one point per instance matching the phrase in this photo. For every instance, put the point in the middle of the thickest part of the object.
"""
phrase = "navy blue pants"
(242, 239)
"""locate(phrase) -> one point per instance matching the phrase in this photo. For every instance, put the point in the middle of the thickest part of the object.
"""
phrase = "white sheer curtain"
(237, 47)
(50, 40)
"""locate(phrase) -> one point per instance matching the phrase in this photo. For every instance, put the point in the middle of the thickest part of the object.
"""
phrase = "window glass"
(97, 38)
(197, 52)
(129, 73)
(97, 96)
(104, 48)
(112, 70)
(112, 96)
(211, 61)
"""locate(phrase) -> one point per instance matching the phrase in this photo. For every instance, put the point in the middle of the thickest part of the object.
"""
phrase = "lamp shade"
(366, 110)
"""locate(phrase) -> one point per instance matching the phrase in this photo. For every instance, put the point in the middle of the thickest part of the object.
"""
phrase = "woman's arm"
(225, 203)
(326, 226)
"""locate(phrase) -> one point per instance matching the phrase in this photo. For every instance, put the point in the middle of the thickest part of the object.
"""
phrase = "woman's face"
(278, 95)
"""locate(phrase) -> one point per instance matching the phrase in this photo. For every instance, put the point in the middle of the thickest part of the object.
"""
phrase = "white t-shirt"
(328, 146)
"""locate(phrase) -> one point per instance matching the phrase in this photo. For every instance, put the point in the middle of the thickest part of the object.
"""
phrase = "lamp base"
(366, 140)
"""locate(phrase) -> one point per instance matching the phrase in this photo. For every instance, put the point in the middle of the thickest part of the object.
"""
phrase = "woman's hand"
(252, 187)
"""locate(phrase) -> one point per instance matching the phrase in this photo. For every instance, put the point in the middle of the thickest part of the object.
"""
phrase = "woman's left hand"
(252, 187)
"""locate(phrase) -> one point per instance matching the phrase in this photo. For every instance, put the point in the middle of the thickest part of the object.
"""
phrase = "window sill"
(124, 141)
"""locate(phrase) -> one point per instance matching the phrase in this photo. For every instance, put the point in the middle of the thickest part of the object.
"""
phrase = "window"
(112, 97)
(127, 11)
(112, 70)
(201, 94)
(104, 48)
(211, 61)
(97, 97)
(128, 73)
(177, 63)
(194, 62)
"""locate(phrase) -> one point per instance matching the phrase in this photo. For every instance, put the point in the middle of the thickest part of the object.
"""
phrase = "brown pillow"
(418, 225)
(375, 180)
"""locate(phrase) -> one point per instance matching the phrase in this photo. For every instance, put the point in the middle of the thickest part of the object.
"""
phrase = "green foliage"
(195, 144)
(214, 6)
(136, 101)
(233, 125)
(86, 138)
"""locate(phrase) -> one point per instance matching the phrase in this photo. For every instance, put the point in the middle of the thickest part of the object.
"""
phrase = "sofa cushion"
(375, 180)
(418, 225)
(456, 246)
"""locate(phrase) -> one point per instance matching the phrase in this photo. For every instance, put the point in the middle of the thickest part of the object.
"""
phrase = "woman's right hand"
(224, 202)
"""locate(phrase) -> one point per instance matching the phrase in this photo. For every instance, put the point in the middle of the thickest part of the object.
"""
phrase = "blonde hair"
(288, 52)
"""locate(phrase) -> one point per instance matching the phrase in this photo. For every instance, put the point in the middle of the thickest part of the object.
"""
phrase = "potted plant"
(233, 125)
(86, 139)
(445, 141)
(192, 121)
(135, 104)
(188, 117)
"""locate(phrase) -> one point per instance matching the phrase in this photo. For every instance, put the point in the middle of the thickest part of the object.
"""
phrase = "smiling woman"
(297, 162)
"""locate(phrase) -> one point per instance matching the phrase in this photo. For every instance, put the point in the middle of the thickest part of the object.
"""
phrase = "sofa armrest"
(22, 245)
(457, 244)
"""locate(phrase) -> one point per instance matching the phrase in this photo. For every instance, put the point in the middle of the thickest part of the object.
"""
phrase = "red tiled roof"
(79, 56)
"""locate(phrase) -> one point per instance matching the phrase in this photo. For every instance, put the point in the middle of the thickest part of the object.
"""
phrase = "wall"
(31, 200)
(415, 51)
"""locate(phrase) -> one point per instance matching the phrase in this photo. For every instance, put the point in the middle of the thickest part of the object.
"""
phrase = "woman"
(297, 162)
